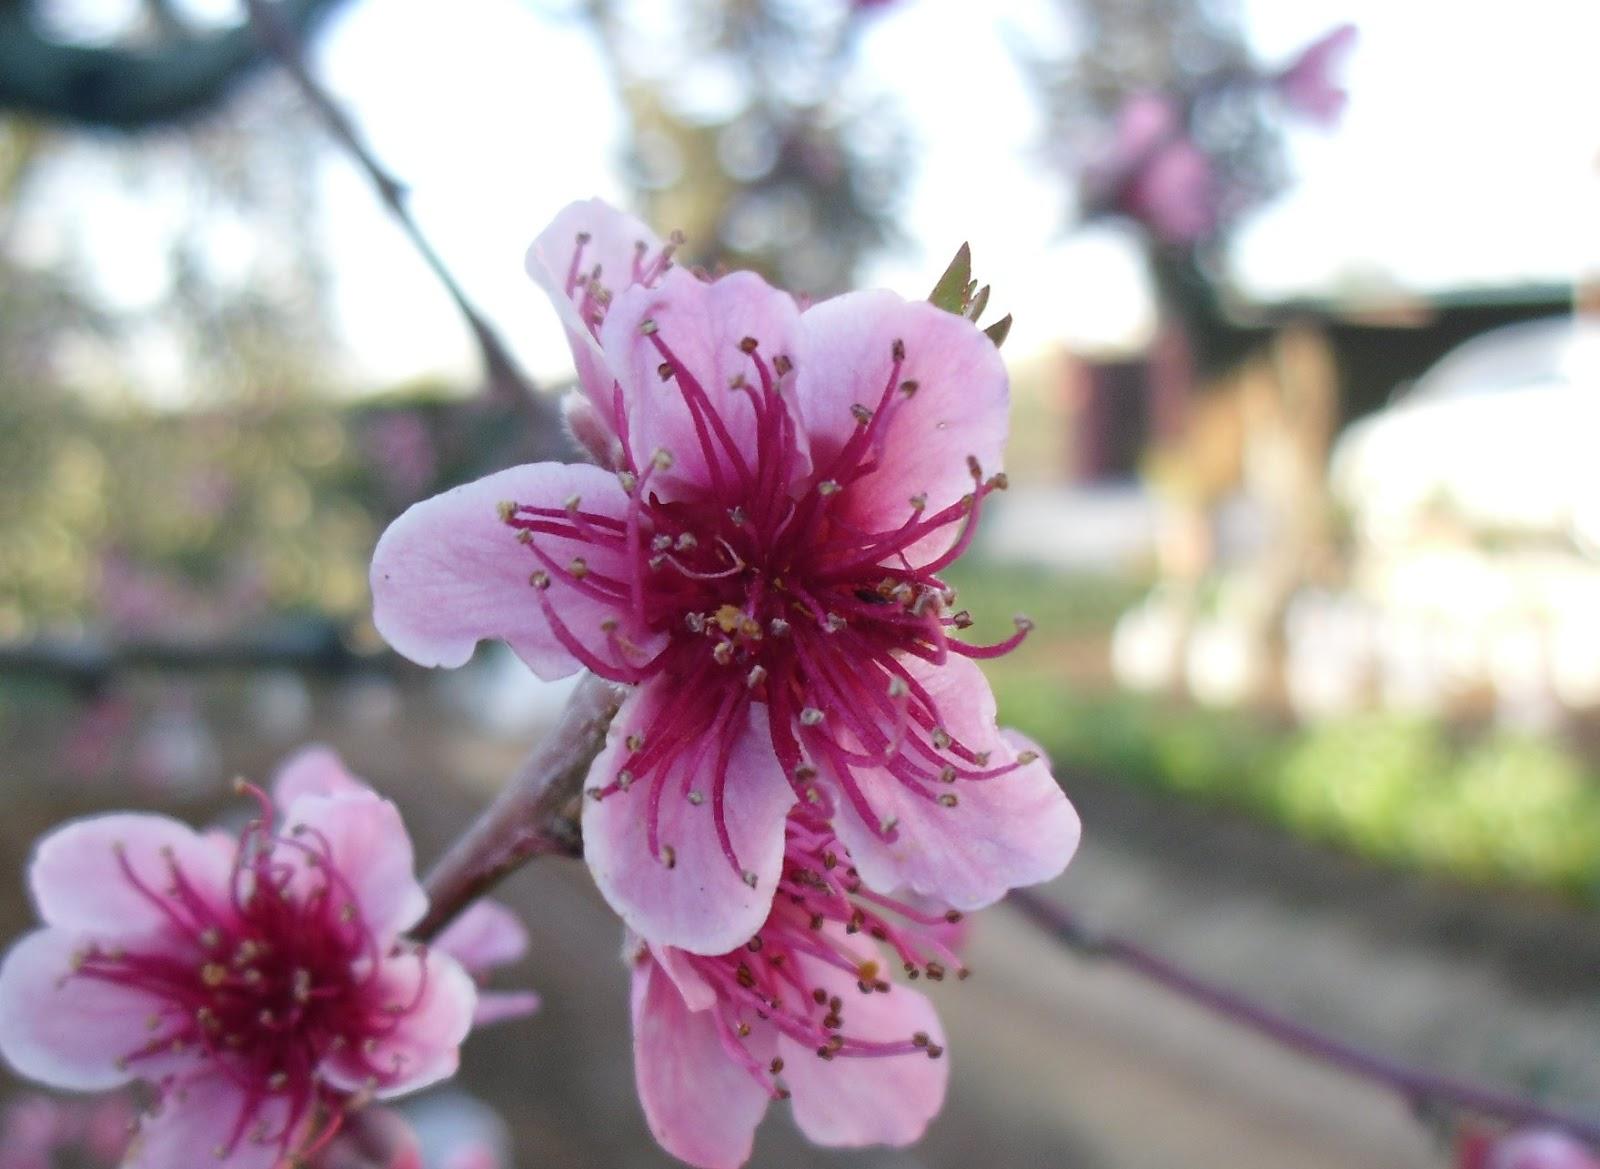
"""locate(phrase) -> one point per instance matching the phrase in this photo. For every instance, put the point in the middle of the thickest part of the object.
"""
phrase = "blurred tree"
(166, 66)
(1156, 114)
(750, 134)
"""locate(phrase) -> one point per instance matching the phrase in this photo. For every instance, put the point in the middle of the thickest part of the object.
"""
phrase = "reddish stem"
(1418, 1086)
(535, 815)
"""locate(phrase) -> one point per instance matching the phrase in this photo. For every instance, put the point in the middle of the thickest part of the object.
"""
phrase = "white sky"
(1467, 157)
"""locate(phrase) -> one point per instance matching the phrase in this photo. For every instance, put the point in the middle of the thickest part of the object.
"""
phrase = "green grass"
(1485, 806)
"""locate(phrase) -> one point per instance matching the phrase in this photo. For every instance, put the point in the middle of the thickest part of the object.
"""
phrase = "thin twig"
(1418, 1086)
(506, 381)
(535, 815)
(315, 647)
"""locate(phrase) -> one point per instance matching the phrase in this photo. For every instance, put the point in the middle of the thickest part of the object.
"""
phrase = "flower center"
(769, 587)
(265, 982)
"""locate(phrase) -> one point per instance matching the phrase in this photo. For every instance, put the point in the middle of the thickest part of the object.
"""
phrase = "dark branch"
(128, 88)
(316, 647)
(507, 385)
(536, 814)
(1419, 1087)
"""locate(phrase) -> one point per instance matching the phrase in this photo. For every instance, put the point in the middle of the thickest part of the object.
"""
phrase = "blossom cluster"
(1166, 173)
(803, 792)
(805, 785)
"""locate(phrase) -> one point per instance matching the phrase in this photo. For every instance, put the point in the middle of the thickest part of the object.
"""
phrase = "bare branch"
(507, 385)
(1421, 1088)
(536, 814)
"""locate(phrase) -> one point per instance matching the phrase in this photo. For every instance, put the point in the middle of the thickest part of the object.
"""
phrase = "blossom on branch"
(761, 563)
(262, 985)
(804, 1011)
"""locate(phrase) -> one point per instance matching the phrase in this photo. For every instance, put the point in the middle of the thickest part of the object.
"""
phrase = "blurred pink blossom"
(1541, 1149)
(1309, 85)
(258, 985)
(38, 1132)
(1175, 194)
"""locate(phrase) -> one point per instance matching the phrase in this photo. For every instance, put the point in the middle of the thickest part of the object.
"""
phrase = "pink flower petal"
(200, 1117)
(612, 243)
(699, 902)
(79, 882)
(63, 1031)
(960, 407)
(370, 852)
(315, 770)
(450, 572)
(499, 1006)
(1541, 1148)
(850, 1102)
(702, 325)
(434, 999)
(696, 992)
(701, 1106)
(486, 935)
(1005, 832)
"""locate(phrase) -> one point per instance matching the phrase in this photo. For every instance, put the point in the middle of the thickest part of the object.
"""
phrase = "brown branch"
(535, 815)
(1421, 1088)
(506, 383)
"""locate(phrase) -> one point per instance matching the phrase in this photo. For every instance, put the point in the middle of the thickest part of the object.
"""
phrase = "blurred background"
(1306, 372)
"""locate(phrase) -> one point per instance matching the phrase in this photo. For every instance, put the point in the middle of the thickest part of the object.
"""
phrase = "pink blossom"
(37, 1131)
(804, 1010)
(1152, 171)
(1175, 193)
(1541, 1149)
(261, 985)
(762, 567)
(483, 938)
(487, 935)
(1145, 123)
(1308, 85)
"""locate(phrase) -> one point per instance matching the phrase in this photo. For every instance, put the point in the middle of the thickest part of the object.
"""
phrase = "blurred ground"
(1055, 1062)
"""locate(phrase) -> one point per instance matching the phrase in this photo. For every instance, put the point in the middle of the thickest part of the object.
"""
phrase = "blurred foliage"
(1485, 806)
(753, 134)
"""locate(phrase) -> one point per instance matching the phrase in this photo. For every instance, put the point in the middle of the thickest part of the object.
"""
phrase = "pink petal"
(425, 1046)
(370, 851)
(1012, 830)
(201, 1116)
(960, 407)
(486, 935)
(1541, 1149)
(591, 430)
(79, 882)
(700, 903)
(887, 1100)
(64, 1031)
(702, 324)
(612, 244)
(701, 1106)
(499, 1006)
(315, 770)
(449, 572)
(697, 993)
